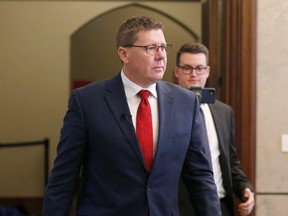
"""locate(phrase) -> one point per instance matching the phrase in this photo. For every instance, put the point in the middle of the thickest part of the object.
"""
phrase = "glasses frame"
(200, 70)
(154, 48)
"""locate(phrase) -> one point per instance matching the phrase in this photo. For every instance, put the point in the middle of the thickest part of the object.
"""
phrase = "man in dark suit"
(192, 70)
(98, 137)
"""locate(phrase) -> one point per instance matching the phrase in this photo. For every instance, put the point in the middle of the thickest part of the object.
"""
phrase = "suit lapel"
(117, 103)
(165, 109)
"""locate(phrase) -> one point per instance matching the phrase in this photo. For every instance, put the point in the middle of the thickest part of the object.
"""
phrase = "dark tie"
(205, 138)
(144, 128)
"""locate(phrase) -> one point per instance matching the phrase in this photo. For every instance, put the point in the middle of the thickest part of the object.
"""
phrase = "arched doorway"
(93, 52)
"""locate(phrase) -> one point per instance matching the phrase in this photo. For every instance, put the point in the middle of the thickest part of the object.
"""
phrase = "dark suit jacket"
(98, 137)
(234, 179)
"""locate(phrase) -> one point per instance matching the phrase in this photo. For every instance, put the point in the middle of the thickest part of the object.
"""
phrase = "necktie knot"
(144, 94)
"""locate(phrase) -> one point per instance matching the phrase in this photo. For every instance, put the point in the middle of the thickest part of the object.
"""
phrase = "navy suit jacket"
(99, 139)
(234, 179)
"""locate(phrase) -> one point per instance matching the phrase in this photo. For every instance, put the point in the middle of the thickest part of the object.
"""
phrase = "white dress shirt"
(131, 89)
(214, 149)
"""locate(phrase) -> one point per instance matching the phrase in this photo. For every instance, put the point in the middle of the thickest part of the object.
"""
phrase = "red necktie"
(144, 128)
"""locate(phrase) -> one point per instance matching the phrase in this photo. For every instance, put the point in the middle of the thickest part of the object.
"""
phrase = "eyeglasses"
(189, 70)
(153, 49)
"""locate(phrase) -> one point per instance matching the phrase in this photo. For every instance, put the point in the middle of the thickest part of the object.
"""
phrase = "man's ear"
(176, 72)
(122, 53)
(208, 71)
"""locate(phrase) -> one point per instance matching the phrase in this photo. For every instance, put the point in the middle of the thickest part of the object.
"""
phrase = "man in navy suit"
(192, 70)
(98, 137)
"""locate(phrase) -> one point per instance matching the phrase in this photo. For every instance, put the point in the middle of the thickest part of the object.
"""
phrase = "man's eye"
(200, 68)
(151, 48)
(187, 68)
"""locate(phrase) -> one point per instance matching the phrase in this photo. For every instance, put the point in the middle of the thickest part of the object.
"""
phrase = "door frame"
(229, 31)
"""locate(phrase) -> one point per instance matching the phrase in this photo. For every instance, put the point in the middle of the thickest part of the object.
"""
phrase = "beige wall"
(35, 82)
(272, 106)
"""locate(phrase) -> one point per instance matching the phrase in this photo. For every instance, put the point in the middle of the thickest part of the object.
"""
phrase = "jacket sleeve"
(64, 177)
(239, 178)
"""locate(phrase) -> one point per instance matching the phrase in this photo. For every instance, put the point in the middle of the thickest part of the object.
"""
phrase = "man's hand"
(246, 207)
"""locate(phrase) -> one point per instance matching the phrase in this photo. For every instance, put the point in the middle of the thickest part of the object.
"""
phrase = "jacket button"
(148, 188)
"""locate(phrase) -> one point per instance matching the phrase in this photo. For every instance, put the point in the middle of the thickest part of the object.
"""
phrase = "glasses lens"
(200, 70)
(151, 50)
(186, 70)
(189, 70)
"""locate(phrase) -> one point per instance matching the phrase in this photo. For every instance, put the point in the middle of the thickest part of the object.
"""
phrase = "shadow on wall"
(93, 50)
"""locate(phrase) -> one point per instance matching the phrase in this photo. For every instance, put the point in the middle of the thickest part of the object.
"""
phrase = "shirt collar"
(131, 89)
